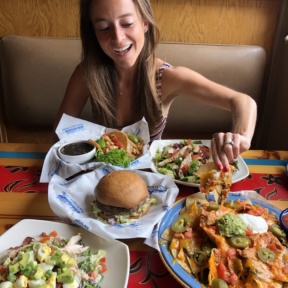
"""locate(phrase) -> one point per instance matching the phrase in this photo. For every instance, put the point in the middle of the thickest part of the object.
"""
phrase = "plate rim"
(163, 243)
(168, 141)
(74, 229)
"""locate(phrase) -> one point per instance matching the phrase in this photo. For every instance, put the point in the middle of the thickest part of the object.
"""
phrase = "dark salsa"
(77, 148)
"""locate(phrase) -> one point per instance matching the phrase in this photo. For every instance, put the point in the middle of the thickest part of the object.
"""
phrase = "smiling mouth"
(123, 49)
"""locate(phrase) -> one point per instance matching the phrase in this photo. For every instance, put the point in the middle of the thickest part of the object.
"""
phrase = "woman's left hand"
(226, 147)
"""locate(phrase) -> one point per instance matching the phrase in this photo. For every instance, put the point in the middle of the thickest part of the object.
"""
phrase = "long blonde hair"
(99, 70)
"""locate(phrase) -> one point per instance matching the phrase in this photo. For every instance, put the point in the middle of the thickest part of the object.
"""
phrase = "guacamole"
(231, 225)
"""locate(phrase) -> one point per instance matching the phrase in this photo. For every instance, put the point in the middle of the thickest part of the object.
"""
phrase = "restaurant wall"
(199, 21)
(245, 22)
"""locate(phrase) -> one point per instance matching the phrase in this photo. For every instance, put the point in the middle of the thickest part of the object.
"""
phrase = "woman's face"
(119, 29)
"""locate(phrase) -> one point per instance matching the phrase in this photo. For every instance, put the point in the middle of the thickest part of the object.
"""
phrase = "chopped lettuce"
(116, 157)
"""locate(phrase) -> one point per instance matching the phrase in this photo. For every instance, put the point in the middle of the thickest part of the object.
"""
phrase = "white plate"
(118, 260)
(237, 176)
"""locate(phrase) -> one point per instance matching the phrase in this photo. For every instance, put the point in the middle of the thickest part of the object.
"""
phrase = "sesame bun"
(123, 189)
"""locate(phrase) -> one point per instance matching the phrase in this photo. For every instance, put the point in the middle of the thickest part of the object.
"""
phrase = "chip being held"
(216, 181)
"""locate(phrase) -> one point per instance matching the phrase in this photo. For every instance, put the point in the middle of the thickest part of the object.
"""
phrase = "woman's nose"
(118, 34)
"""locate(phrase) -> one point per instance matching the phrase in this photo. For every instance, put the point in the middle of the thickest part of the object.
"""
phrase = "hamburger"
(121, 197)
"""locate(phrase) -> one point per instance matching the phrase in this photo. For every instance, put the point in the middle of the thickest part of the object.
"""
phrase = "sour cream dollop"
(254, 223)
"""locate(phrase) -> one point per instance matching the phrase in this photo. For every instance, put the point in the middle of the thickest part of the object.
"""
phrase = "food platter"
(237, 176)
(118, 260)
(184, 278)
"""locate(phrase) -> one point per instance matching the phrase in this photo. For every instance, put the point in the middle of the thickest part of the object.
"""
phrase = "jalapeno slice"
(229, 204)
(240, 241)
(219, 283)
(213, 206)
(200, 257)
(266, 255)
(181, 224)
(277, 231)
(207, 247)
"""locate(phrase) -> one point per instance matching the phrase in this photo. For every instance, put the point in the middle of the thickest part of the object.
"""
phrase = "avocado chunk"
(14, 268)
(24, 261)
(66, 277)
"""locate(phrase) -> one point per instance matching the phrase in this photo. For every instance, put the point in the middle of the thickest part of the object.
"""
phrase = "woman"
(124, 80)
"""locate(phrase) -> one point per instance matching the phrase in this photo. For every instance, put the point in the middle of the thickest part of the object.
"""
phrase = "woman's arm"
(183, 81)
(75, 97)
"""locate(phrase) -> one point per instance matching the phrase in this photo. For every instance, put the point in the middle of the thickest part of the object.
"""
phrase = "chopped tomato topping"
(272, 246)
(53, 234)
(249, 232)
(187, 235)
(93, 274)
(231, 253)
(232, 279)
(221, 271)
(102, 260)
(185, 168)
(116, 142)
(285, 269)
(104, 268)
(45, 239)
(196, 156)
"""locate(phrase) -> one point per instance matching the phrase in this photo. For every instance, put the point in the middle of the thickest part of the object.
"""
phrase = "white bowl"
(77, 152)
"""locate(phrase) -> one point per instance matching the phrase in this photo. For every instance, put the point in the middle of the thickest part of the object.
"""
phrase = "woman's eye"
(127, 25)
(104, 29)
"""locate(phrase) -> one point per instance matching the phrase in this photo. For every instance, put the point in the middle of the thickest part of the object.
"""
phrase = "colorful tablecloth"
(267, 177)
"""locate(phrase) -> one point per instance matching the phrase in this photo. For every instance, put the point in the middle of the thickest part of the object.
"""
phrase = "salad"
(181, 160)
(52, 261)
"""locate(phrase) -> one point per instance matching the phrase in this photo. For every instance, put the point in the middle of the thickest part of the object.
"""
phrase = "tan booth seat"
(35, 72)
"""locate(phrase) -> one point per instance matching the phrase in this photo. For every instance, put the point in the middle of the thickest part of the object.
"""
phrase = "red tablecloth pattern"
(26, 180)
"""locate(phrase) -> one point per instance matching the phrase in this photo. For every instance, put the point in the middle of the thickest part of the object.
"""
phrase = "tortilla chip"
(205, 168)
(168, 234)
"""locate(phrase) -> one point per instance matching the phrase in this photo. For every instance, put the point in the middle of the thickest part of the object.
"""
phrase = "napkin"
(74, 129)
(72, 201)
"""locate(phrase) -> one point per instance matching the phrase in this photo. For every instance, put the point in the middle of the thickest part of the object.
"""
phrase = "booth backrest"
(35, 72)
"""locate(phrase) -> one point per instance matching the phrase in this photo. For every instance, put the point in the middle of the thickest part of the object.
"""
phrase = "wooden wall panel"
(200, 21)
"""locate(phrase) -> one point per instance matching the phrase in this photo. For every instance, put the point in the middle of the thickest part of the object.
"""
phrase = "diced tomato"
(188, 235)
(116, 142)
(185, 168)
(196, 156)
(186, 153)
(272, 246)
(249, 232)
(102, 260)
(232, 279)
(231, 253)
(285, 269)
(104, 268)
(45, 239)
(93, 274)
(53, 234)
(251, 212)
(221, 271)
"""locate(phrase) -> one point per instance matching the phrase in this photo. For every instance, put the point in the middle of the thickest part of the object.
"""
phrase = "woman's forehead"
(112, 9)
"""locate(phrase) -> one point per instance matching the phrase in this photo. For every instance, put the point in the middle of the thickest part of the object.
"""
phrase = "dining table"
(22, 196)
